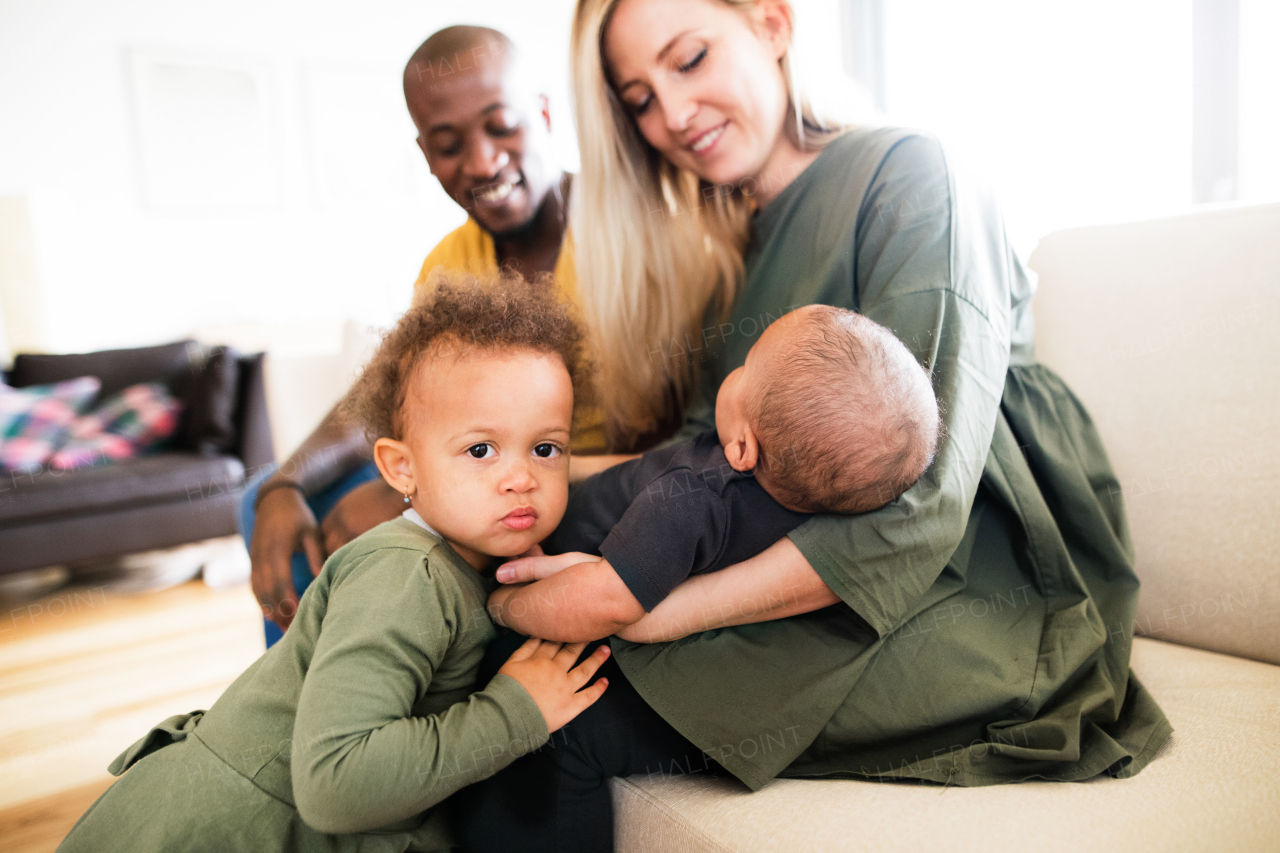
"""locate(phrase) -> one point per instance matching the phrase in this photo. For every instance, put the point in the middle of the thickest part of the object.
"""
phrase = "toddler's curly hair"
(506, 312)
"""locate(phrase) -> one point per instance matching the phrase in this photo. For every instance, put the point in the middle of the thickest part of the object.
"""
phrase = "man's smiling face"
(486, 137)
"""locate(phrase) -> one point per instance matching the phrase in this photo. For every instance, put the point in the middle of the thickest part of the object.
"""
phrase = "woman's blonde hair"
(656, 245)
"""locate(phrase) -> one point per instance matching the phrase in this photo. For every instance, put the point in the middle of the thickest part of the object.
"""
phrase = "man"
(486, 137)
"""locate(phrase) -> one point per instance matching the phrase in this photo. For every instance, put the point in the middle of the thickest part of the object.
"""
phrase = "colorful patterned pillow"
(34, 421)
(130, 423)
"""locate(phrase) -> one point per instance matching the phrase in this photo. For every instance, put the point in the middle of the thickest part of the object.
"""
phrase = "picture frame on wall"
(205, 129)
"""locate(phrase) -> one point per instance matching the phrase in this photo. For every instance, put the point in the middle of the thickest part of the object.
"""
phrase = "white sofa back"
(1168, 331)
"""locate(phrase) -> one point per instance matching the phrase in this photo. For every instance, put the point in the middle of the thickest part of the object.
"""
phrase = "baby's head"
(469, 400)
(831, 410)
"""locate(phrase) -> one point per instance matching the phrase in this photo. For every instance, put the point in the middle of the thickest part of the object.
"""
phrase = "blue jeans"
(320, 505)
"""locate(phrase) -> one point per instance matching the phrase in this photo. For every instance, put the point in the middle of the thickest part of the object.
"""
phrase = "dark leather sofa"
(186, 492)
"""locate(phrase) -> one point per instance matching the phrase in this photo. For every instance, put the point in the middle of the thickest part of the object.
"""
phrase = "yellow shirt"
(469, 248)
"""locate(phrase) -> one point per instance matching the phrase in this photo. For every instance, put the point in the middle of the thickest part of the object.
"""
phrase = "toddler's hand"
(532, 568)
(546, 671)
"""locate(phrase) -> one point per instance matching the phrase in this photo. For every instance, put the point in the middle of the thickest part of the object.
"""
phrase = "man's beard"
(518, 233)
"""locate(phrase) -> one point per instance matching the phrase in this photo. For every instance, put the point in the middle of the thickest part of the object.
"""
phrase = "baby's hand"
(533, 568)
(546, 671)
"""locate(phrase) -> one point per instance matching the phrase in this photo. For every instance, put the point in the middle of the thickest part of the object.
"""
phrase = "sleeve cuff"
(808, 541)
(526, 721)
(647, 593)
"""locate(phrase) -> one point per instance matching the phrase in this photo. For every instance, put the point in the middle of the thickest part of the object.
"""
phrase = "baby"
(830, 413)
(349, 732)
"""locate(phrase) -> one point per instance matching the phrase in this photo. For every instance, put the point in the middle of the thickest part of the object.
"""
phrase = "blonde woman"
(975, 630)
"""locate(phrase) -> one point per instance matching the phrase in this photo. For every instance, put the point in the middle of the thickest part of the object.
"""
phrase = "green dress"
(984, 630)
(345, 734)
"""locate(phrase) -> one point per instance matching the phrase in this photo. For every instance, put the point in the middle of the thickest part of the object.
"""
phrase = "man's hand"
(536, 567)
(359, 510)
(284, 524)
(546, 671)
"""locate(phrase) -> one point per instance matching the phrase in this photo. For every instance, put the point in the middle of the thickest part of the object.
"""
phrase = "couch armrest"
(1166, 331)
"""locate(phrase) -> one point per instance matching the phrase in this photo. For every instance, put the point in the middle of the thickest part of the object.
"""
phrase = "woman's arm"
(582, 467)
(776, 583)
(576, 597)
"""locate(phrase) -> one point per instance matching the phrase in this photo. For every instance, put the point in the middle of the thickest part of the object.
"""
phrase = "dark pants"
(557, 799)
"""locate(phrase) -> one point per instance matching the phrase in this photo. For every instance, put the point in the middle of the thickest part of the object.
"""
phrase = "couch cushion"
(1212, 787)
(165, 477)
(173, 364)
(34, 421)
(132, 422)
(209, 422)
(1166, 331)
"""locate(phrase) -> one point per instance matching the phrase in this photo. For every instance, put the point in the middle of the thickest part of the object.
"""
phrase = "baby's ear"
(743, 451)
(394, 462)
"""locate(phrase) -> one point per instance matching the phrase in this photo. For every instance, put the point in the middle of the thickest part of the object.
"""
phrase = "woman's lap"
(1021, 671)
(557, 799)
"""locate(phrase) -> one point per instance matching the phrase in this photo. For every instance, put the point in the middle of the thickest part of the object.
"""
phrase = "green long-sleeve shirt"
(981, 635)
(359, 721)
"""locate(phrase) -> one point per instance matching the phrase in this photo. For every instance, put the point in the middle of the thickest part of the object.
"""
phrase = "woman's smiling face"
(703, 82)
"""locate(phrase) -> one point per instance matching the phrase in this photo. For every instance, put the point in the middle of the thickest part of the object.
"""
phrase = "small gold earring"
(407, 490)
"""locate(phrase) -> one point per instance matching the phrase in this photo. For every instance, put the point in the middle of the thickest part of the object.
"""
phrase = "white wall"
(115, 270)
(1076, 113)
(1073, 112)
(1259, 100)
(334, 229)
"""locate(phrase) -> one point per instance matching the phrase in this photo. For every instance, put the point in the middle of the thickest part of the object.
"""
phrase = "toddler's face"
(487, 435)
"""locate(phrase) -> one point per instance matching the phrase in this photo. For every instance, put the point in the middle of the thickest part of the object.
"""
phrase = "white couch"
(1167, 331)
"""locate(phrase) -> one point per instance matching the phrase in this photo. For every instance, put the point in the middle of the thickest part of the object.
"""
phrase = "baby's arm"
(585, 601)
(360, 759)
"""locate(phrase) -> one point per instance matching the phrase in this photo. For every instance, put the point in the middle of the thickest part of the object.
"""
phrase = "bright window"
(1076, 113)
(1072, 112)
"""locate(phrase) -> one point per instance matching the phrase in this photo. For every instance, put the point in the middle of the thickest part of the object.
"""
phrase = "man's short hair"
(456, 48)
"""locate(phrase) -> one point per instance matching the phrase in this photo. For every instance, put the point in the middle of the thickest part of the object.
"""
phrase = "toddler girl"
(347, 733)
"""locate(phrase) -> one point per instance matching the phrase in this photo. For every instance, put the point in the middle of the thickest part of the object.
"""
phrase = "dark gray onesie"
(676, 511)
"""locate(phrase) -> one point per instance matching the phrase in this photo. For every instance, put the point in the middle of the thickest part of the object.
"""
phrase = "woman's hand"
(532, 567)
(546, 671)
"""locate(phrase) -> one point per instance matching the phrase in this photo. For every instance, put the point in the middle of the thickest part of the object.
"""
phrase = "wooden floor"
(86, 672)
(38, 825)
